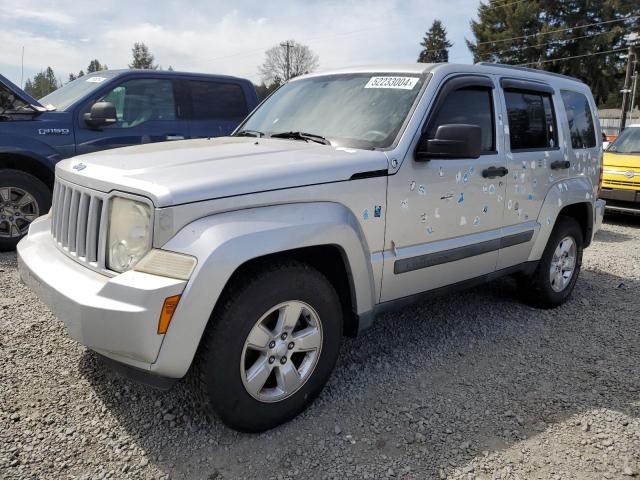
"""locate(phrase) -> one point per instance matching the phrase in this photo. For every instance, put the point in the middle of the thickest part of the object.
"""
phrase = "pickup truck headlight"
(129, 236)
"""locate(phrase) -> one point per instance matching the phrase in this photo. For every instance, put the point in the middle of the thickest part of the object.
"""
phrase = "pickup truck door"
(146, 110)
(444, 216)
(214, 107)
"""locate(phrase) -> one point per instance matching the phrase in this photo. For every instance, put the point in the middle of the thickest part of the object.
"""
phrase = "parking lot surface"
(472, 385)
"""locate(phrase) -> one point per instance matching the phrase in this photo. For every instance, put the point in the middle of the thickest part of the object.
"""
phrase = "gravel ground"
(473, 385)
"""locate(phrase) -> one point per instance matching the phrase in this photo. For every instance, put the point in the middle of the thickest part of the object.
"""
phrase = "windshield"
(352, 110)
(73, 91)
(627, 142)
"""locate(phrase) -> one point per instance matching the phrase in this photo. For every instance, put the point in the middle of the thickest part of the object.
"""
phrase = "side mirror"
(101, 114)
(451, 141)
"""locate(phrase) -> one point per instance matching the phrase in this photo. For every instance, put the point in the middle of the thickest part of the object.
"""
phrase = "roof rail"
(530, 70)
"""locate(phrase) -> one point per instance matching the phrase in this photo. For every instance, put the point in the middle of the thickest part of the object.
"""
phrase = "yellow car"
(621, 172)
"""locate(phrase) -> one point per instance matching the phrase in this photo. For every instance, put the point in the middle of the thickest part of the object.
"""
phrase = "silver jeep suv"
(244, 260)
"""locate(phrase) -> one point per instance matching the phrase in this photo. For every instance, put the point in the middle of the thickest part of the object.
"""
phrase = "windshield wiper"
(249, 133)
(302, 136)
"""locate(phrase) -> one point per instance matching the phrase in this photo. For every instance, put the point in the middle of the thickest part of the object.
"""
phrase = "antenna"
(22, 69)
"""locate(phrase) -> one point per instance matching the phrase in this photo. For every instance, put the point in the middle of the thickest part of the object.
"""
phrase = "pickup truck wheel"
(557, 273)
(23, 198)
(271, 347)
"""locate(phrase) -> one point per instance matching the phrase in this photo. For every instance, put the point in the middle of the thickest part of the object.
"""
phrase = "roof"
(168, 73)
(412, 68)
(421, 68)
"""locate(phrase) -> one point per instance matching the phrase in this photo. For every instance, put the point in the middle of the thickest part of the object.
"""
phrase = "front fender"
(562, 194)
(224, 242)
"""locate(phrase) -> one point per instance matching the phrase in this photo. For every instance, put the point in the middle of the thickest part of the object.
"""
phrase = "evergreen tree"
(42, 84)
(543, 33)
(435, 45)
(72, 77)
(96, 66)
(80, 74)
(142, 58)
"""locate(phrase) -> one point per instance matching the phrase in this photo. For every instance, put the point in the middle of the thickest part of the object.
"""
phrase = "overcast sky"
(227, 37)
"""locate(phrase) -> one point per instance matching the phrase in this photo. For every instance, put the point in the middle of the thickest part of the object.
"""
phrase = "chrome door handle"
(175, 137)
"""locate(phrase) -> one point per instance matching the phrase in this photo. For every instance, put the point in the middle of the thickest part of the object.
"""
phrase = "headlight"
(129, 236)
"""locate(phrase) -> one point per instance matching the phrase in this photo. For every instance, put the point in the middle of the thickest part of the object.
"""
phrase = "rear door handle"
(175, 137)
(560, 165)
(493, 172)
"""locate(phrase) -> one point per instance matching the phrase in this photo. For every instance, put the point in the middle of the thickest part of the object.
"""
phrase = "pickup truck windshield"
(73, 91)
(355, 110)
(627, 142)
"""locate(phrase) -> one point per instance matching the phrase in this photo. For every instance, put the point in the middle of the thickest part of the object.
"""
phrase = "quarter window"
(472, 106)
(217, 101)
(583, 133)
(531, 120)
(142, 100)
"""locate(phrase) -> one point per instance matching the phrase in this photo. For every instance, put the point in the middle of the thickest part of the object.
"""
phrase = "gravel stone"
(471, 385)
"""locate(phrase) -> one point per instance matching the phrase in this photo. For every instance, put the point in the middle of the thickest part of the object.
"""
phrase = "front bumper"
(115, 316)
(621, 200)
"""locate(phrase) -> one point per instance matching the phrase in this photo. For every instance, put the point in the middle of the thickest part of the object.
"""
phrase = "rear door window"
(583, 133)
(217, 101)
(532, 124)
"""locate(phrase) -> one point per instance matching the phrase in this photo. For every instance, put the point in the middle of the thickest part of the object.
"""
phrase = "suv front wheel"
(270, 346)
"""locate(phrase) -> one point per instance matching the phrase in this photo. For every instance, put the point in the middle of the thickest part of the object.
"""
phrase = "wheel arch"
(573, 198)
(325, 235)
(28, 164)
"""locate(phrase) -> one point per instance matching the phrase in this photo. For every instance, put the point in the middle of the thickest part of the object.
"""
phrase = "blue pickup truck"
(106, 109)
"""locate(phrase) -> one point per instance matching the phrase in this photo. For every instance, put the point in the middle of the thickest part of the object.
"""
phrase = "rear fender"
(561, 195)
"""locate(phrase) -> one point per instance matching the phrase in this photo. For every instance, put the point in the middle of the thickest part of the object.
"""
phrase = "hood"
(173, 173)
(621, 160)
(14, 99)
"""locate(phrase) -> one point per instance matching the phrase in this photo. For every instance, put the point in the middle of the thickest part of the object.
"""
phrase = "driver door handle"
(493, 172)
(560, 165)
(175, 137)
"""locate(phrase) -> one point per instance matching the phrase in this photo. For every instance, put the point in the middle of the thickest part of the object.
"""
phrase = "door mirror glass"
(451, 141)
(101, 114)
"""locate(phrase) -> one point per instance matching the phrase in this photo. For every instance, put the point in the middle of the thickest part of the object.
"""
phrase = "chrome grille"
(76, 223)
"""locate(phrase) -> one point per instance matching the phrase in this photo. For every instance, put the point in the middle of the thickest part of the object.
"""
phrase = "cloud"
(220, 37)
(38, 14)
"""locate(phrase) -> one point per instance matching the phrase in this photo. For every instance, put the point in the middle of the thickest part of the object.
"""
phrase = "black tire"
(218, 362)
(27, 183)
(537, 289)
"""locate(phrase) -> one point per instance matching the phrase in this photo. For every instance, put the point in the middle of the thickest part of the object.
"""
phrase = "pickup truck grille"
(76, 223)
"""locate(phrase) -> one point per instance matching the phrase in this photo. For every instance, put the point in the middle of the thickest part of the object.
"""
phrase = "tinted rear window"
(217, 101)
(583, 133)
(531, 120)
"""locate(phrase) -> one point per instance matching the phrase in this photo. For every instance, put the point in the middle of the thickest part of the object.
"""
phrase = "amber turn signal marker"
(168, 308)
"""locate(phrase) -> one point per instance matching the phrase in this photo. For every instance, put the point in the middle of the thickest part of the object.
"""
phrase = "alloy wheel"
(281, 351)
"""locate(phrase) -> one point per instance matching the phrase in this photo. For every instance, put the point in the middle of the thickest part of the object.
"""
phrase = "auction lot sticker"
(403, 83)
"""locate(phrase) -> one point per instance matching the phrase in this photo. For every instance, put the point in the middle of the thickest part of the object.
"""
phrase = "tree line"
(581, 38)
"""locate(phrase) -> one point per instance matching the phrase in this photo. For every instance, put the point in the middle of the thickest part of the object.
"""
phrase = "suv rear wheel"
(23, 198)
(557, 273)
(270, 347)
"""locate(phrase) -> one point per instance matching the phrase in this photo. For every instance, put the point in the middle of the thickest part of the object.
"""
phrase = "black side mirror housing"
(101, 114)
(451, 141)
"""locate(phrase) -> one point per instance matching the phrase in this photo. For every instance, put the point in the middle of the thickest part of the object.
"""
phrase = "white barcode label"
(404, 83)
